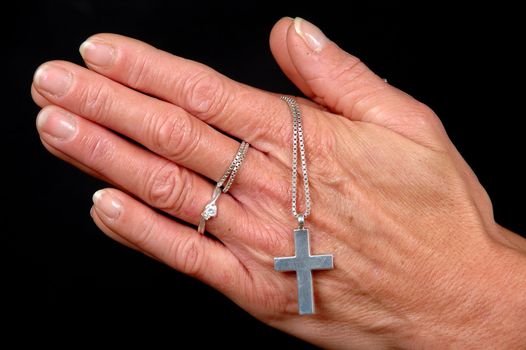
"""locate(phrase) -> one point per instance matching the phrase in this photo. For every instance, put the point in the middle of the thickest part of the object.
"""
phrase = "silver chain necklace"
(302, 262)
(297, 136)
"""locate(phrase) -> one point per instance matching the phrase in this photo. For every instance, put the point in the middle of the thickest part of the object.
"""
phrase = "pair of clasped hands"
(419, 260)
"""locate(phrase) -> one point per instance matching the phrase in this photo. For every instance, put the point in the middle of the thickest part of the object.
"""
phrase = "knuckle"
(141, 72)
(142, 234)
(204, 95)
(96, 101)
(275, 188)
(188, 254)
(270, 240)
(348, 69)
(419, 119)
(168, 188)
(175, 137)
(349, 75)
(423, 116)
(323, 143)
(98, 151)
(226, 278)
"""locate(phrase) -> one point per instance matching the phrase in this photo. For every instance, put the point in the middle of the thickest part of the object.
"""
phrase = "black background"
(458, 61)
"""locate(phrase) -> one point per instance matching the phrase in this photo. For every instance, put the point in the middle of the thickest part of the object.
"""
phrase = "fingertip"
(108, 205)
(283, 22)
(103, 36)
(38, 98)
(278, 34)
(279, 48)
(286, 19)
(112, 234)
(42, 117)
(96, 196)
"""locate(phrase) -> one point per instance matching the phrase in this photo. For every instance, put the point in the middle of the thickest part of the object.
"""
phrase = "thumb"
(345, 85)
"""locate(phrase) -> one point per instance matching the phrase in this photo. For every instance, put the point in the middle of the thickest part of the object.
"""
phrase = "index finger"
(247, 113)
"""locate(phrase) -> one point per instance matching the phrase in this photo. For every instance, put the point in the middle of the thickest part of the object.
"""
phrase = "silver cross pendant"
(303, 263)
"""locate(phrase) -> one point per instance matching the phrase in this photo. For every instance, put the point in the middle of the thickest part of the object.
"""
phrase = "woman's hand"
(419, 260)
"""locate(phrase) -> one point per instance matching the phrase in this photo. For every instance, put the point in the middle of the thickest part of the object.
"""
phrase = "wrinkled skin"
(419, 260)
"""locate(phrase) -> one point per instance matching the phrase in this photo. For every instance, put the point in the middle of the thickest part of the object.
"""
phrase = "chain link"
(231, 172)
(297, 138)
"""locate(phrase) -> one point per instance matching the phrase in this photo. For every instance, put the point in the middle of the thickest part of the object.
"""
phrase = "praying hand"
(417, 259)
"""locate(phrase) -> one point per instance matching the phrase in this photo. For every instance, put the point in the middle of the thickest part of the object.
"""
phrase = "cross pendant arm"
(303, 263)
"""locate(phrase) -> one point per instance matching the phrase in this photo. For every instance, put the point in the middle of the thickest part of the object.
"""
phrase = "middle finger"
(164, 128)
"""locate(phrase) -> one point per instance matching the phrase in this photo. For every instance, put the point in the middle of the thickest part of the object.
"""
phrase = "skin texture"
(419, 260)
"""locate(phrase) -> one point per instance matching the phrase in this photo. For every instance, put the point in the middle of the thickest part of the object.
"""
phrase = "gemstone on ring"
(210, 211)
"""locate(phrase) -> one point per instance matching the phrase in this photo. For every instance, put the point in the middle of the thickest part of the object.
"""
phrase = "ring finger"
(157, 181)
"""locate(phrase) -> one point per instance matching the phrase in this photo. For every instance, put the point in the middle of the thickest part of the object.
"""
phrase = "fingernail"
(53, 79)
(107, 204)
(97, 53)
(312, 35)
(58, 124)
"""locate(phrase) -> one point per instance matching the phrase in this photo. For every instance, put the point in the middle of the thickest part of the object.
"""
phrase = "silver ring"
(227, 180)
